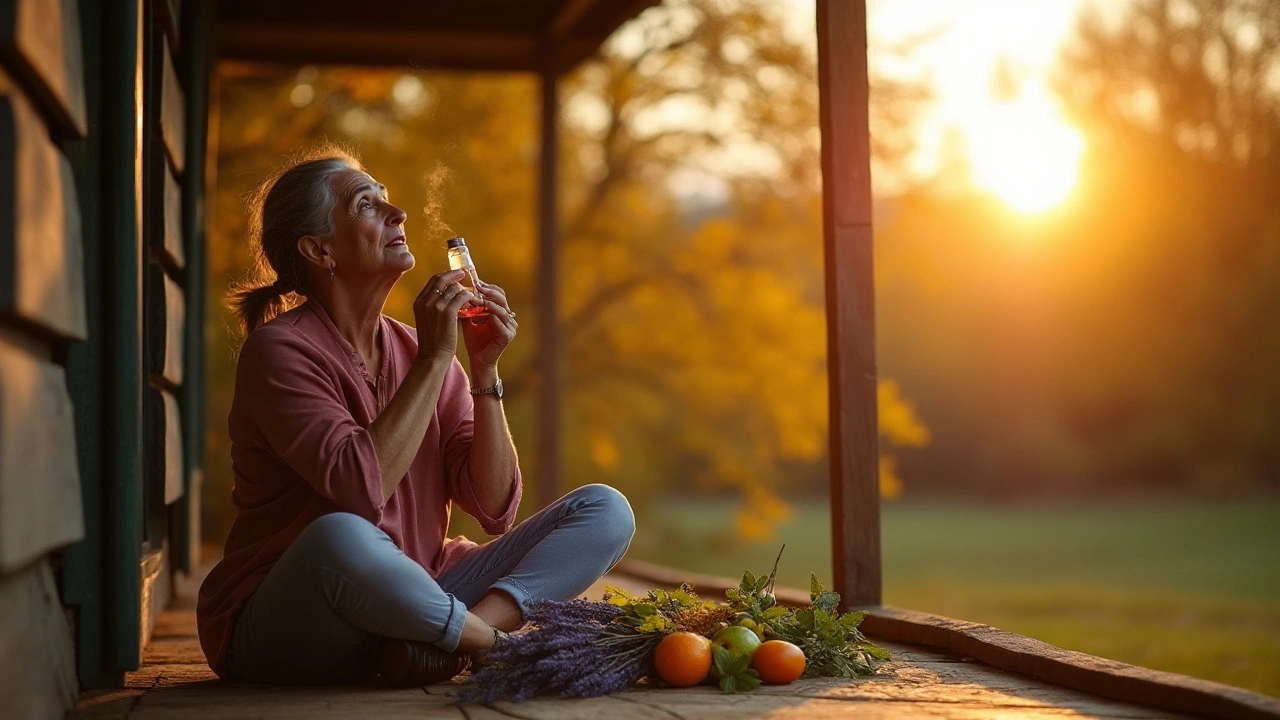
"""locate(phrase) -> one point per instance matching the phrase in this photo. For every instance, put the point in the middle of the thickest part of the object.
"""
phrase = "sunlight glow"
(1023, 152)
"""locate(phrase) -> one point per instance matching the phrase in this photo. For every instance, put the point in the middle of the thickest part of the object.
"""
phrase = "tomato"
(778, 662)
(683, 659)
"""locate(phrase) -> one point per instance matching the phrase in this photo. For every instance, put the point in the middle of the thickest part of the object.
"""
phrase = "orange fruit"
(683, 659)
(778, 662)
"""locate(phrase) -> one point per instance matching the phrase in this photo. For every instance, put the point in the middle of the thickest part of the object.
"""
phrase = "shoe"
(403, 663)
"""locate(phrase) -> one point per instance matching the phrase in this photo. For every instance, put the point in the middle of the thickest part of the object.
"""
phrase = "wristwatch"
(495, 390)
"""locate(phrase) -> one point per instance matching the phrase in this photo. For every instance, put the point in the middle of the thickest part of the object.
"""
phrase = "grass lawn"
(1192, 588)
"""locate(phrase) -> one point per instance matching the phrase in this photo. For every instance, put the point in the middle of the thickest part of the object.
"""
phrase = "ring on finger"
(439, 291)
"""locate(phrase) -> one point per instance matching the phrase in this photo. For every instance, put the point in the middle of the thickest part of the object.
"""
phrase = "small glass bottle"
(460, 258)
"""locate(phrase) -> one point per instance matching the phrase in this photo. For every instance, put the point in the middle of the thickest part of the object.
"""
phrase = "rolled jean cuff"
(513, 588)
(453, 626)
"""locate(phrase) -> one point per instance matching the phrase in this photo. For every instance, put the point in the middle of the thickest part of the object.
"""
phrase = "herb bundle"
(573, 648)
(580, 648)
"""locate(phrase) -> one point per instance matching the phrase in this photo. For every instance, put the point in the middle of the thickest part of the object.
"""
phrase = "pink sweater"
(300, 449)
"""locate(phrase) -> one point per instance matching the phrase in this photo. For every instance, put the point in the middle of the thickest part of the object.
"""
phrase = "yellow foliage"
(891, 485)
(604, 451)
(760, 514)
(898, 421)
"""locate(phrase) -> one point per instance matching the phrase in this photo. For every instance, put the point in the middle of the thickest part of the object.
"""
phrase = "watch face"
(497, 389)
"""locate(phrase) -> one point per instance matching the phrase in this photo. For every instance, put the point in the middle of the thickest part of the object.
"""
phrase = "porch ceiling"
(532, 35)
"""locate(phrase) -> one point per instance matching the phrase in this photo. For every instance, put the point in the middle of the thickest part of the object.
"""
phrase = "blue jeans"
(343, 583)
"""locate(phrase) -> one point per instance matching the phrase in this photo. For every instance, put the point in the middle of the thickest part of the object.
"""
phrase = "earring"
(331, 277)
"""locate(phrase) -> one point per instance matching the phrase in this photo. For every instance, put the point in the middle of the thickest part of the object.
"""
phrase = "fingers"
(453, 300)
(495, 292)
(450, 299)
(496, 298)
(502, 312)
(438, 285)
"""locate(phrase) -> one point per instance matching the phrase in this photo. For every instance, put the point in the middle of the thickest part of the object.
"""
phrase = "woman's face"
(369, 238)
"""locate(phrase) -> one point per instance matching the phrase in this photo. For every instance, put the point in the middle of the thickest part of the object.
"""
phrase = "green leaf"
(776, 612)
(618, 592)
(747, 680)
(654, 624)
(685, 596)
(815, 587)
(875, 651)
(828, 601)
(851, 620)
(733, 671)
(728, 663)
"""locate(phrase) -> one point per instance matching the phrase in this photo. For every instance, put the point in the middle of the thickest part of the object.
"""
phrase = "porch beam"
(357, 45)
(548, 283)
(850, 296)
(569, 15)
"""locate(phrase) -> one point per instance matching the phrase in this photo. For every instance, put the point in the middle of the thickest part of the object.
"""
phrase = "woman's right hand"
(435, 312)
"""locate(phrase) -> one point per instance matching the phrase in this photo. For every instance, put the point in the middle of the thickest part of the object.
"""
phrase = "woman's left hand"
(488, 335)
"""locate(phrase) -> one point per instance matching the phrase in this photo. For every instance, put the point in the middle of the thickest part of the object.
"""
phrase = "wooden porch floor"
(175, 682)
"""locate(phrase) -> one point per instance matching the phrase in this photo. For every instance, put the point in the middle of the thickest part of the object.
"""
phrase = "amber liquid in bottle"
(460, 258)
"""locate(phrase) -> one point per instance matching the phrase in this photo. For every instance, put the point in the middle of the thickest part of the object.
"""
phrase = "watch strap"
(495, 389)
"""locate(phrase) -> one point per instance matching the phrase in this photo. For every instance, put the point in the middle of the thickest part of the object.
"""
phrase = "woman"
(351, 435)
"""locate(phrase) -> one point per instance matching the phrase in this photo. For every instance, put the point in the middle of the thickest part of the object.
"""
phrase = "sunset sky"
(1019, 147)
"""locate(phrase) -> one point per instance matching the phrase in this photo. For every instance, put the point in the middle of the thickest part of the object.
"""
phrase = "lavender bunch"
(573, 648)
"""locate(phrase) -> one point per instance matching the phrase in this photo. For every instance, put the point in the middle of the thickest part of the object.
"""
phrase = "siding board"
(39, 480)
(40, 43)
(41, 255)
(172, 112)
(39, 679)
(172, 221)
(166, 321)
(166, 443)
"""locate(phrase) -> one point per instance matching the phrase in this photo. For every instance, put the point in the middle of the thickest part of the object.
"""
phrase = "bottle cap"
(456, 242)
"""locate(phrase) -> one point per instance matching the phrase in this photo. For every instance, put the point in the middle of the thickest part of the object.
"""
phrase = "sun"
(1024, 153)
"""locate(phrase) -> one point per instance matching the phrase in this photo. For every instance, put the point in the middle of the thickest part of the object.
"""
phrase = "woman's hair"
(295, 201)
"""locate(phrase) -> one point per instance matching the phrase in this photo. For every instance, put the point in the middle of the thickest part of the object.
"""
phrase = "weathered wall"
(42, 308)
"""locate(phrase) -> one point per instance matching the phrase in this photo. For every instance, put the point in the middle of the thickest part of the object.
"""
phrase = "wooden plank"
(1005, 651)
(39, 678)
(41, 255)
(357, 43)
(157, 591)
(166, 321)
(850, 296)
(1099, 676)
(165, 442)
(173, 112)
(548, 477)
(39, 482)
(568, 16)
(40, 43)
(169, 206)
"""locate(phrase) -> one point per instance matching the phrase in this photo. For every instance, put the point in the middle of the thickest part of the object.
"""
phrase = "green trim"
(124, 257)
(83, 587)
(194, 68)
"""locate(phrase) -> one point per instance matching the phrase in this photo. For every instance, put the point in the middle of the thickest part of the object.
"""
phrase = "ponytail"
(295, 201)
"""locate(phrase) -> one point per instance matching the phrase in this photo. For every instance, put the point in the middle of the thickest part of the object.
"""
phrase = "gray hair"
(297, 200)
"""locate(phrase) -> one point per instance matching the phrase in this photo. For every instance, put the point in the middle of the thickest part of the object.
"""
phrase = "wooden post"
(548, 286)
(851, 351)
